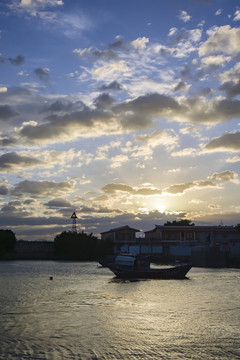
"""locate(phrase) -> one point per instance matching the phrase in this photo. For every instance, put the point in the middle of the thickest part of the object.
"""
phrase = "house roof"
(192, 228)
(126, 227)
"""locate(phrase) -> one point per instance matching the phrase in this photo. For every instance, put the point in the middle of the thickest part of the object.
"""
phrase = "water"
(86, 313)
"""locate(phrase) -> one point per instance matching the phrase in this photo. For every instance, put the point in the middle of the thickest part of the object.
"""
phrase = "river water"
(86, 313)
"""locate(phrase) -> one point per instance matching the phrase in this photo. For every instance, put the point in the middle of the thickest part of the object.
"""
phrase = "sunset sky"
(127, 112)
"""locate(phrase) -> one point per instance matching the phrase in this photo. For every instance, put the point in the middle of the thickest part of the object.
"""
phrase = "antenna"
(74, 223)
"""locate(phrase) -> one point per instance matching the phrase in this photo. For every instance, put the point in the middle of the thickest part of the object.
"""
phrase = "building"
(123, 238)
(202, 245)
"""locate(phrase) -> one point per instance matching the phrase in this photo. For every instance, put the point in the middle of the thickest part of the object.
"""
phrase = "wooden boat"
(136, 267)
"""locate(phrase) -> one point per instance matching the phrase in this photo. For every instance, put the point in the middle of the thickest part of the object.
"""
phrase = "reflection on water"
(86, 313)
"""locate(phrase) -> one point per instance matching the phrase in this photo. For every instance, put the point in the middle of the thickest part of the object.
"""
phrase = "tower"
(74, 223)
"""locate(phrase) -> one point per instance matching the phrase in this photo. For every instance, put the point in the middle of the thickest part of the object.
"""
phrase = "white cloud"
(232, 74)
(140, 43)
(218, 12)
(172, 31)
(236, 15)
(218, 60)
(3, 89)
(222, 40)
(184, 16)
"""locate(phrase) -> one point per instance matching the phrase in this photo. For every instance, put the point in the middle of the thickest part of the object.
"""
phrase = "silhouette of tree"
(182, 222)
(7, 241)
(81, 246)
(237, 227)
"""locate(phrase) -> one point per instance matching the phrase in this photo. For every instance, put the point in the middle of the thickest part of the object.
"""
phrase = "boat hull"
(177, 272)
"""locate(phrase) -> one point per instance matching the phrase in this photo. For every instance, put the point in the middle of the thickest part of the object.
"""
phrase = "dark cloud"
(3, 190)
(59, 203)
(104, 101)
(227, 175)
(59, 106)
(41, 188)
(226, 142)
(118, 44)
(12, 161)
(231, 88)
(139, 113)
(175, 189)
(181, 188)
(181, 86)
(67, 126)
(7, 141)
(144, 191)
(112, 86)
(6, 113)
(42, 74)
(190, 73)
(19, 60)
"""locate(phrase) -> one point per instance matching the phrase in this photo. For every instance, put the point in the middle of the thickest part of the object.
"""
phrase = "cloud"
(181, 86)
(69, 126)
(236, 15)
(143, 191)
(93, 53)
(59, 203)
(233, 74)
(32, 7)
(42, 73)
(40, 3)
(223, 40)
(42, 188)
(172, 31)
(227, 142)
(114, 51)
(227, 175)
(13, 161)
(184, 16)
(231, 88)
(140, 43)
(70, 119)
(6, 113)
(215, 62)
(194, 185)
(192, 36)
(233, 159)
(19, 60)
(166, 138)
(3, 190)
(218, 12)
(139, 113)
(114, 85)
(104, 101)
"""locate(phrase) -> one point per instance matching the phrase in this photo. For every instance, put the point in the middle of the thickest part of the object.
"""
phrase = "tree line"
(71, 245)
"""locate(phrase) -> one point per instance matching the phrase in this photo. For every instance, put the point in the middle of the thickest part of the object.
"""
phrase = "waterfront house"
(123, 238)
(202, 245)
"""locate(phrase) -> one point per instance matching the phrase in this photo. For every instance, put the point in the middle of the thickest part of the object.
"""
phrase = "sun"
(158, 204)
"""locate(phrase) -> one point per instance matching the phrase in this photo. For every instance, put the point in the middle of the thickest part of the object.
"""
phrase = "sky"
(127, 112)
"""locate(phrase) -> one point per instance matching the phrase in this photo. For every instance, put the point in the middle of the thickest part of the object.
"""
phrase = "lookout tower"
(74, 222)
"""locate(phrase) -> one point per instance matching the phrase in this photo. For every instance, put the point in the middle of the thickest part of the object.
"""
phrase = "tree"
(105, 248)
(7, 241)
(76, 246)
(237, 227)
(182, 222)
